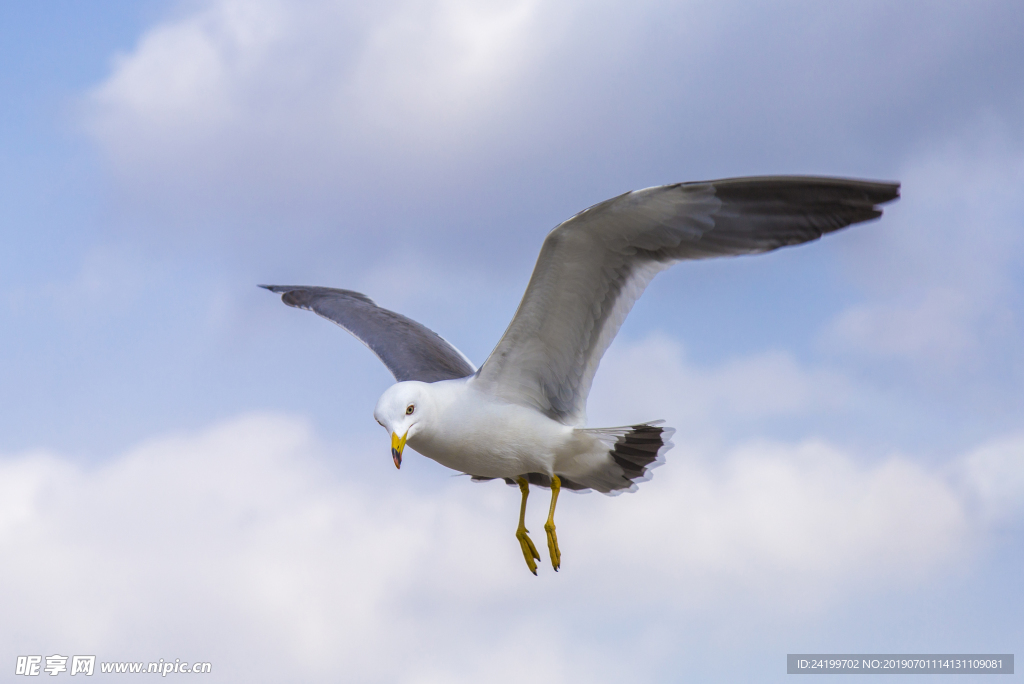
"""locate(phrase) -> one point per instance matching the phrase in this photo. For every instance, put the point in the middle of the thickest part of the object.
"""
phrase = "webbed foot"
(549, 526)
(529, 550)
(553, 552)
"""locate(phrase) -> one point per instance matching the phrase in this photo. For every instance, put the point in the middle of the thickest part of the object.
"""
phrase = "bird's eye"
(409, 409)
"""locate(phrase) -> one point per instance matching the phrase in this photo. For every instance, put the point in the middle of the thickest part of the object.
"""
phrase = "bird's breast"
(487, 438)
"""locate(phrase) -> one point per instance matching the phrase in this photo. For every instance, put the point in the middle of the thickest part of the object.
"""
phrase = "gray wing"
(410, 351)
(593, 267)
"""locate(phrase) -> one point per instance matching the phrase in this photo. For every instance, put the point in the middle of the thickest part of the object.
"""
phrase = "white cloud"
(254, 546)
(239, 546)
(326, 117)
(994, 474)
(305, 82)
(793, 526)
(441, 61)
(940, 326)
(644, 378)
(941, 276)
(740, 516)
(241, 120)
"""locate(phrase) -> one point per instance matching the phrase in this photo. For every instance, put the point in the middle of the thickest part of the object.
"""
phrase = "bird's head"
(400, 410)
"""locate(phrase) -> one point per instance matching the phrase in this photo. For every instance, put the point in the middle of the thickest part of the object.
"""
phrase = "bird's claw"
(529, 550)
(556, 555)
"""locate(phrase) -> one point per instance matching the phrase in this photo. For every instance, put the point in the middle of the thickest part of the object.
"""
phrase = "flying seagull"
(521, 416)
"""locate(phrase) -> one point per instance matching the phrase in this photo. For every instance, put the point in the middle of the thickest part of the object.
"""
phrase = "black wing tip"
(885, 187)
(878, 192)
(290, 294)
(852, 200)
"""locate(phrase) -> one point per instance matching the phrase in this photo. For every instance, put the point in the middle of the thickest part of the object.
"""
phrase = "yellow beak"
(397, 446)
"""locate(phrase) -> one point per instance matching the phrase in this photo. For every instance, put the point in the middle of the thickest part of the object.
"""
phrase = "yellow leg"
(529, 550)
(549, 526)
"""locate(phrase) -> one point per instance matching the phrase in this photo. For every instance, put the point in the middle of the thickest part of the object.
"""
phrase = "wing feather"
(593, 268)
(411, 351)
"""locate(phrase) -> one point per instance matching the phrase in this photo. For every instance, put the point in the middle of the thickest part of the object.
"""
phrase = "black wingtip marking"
(290, 295)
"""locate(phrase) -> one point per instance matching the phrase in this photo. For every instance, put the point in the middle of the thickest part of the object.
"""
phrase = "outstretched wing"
(593, 267)
(409, 350)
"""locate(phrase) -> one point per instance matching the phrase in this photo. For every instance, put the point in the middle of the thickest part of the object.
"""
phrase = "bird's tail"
(636, 450)
(632, 452)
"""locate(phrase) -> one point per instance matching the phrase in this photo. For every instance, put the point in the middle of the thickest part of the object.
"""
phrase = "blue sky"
(189, 469)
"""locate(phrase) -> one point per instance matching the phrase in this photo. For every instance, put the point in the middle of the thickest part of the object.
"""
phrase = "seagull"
(521, 417)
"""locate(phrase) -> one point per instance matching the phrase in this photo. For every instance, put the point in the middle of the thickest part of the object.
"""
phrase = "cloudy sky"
(191, 470)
